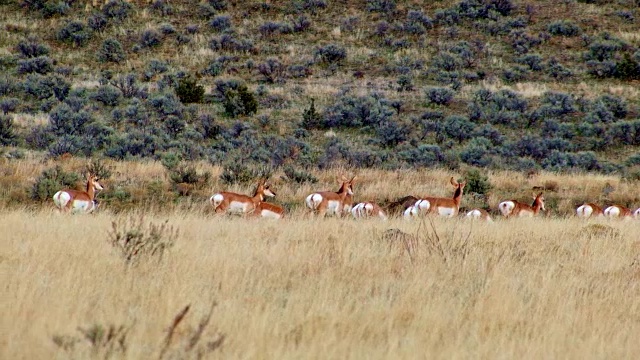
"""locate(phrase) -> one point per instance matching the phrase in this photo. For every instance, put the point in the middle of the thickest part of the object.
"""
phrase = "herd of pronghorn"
(340, 203)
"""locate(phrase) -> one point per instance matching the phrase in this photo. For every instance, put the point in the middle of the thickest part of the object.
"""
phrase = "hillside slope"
(312, 83)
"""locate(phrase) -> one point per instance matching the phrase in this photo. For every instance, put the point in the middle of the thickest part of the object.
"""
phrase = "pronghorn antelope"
(268, 210)
(324, 202)
(239, 203)
(515, 208)
(589, 210)
(617, 211)
(76, 200)
(442, 206)
(368, 209)
(480, 214)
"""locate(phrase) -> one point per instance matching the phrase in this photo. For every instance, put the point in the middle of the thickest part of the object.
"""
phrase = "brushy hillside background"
(254, 87)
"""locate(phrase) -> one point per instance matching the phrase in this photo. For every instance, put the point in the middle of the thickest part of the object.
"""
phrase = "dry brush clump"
(138, 240)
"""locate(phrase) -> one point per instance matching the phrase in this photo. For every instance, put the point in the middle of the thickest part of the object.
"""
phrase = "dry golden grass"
(137, 178)
(310, 288)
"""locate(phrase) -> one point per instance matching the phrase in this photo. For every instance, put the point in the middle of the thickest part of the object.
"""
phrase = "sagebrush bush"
(423, 155)
(108, 95)
(64, 120)
(331, 54)
(97, 22)
(220, 23)
(8, 105)
(439, 96)
(272, 70)
(417, 22)
(533, 61)
(383, 6)
(564, 28)
(350, 111)
(40, 65)
(43, 87)
(51, 181)
(75, 33)
(111, 51)
(117, 10)
(150, 38)
(229, 42)
(31, 48)
(292, 174)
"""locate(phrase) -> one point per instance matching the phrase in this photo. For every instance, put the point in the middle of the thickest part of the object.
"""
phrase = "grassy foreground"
(309, 288)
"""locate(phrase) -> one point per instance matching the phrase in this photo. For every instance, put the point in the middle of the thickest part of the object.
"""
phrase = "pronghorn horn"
(353, 178)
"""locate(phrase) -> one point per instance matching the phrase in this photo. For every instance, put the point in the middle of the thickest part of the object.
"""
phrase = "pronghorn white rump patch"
(366, 209)
(612, 211)
(477, 214)
(359, 210)
(506, 207)
(636, 214)
(216, 200)
(313, 201)
(584, 211)
(421, 206)
(61, 199)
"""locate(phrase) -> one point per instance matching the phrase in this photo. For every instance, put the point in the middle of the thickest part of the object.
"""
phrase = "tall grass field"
(227, 287)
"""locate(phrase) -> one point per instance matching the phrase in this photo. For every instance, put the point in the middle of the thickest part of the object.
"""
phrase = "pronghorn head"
(459, 187)
(263, 190)
(346, 185)
(94, 181)
(539, 199)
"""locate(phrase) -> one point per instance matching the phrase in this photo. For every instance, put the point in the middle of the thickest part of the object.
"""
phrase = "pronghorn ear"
(353, 178)
(453, 182)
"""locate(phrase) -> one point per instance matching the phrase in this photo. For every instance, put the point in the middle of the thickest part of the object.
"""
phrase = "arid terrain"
(319, 288)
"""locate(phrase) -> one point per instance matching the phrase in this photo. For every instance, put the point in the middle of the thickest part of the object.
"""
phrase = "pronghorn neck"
(537, 205)
(457, 196)
(91, 190)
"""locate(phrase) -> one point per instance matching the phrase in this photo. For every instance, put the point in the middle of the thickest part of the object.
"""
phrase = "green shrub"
(477, 182)
(51, 181)
(189, 91)
(239, 101)
(298, 176)
(7, 131)
(111, 51)
(311, 119)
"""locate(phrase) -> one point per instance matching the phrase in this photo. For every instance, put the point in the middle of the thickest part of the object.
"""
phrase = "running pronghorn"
(589, 210)
(368, 209)
(239, 203)
(480, 214)
(442, 206)
(515, 208)
(617, 211)
(79, 201)
(268, 210)
(324, 202)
